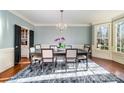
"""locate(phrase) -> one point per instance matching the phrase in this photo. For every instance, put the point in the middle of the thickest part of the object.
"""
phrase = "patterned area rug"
(94, 74)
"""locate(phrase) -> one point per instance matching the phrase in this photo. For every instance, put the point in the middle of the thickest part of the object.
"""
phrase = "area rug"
(62, 74)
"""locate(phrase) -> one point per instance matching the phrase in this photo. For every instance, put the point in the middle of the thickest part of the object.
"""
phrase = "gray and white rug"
(94, 74)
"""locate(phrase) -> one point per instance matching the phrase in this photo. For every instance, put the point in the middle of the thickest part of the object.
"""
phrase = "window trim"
(116, 24)
(96, 28)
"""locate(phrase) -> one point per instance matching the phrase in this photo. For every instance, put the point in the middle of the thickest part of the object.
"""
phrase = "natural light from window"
(103, 37)
(120, 37)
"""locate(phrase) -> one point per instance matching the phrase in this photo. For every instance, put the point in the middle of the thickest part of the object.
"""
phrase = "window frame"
(115, 28)
(96, 28)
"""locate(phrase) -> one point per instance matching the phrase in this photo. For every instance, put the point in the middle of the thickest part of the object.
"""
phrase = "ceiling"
(51, 17)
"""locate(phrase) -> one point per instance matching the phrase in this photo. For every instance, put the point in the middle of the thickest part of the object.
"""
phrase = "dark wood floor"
(12, 71)
(111, 66)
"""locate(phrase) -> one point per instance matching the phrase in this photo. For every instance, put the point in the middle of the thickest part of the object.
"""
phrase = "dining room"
(62, 46)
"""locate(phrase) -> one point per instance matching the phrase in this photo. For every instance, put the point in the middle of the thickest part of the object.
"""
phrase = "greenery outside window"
(120, 37)
(102, 36)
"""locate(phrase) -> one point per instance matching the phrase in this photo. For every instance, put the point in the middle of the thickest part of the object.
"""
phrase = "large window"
(120, 37)
(102, 36)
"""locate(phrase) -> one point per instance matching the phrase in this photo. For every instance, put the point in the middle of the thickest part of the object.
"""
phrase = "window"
(102, 36)
(120, 37)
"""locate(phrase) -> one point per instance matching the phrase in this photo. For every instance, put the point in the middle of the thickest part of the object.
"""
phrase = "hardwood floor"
(12, 71)
(111, 66)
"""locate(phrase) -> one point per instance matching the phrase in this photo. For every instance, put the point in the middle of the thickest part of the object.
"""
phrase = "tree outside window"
(103, 37)
(120, 37)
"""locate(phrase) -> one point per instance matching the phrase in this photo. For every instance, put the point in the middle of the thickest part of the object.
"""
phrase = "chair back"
(71, 53)
(47, 55)
(38, 48)
(54, 47)
(32, 50)
(87, 47)
(68, 46)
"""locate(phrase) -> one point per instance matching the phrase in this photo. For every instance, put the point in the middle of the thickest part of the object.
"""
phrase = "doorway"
(24, 39)
(24, 45)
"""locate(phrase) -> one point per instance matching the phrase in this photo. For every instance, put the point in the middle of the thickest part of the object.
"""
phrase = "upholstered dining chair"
(38, 48)
(48, 57)
(68, 46)
(71, 57)
(34, 58)
(87, 47)
(54, 47)
(83, 58)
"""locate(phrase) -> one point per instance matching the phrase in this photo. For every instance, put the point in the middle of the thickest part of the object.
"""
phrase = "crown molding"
(22, 17)
(101, 22)
(119, 17)
(70, 25)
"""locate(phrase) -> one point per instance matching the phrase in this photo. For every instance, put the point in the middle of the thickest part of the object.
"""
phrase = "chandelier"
(61, 26)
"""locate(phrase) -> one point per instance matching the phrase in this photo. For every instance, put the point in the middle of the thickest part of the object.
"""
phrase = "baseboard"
(102, 54)
(118, 57)
(6, 58)
(109, 55)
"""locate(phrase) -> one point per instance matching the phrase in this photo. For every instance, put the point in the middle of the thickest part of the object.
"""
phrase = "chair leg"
(42, 66)
(31, 65)
(66, 66)
(54, 65)
(39, 61)
(77, 65)
(86, 64)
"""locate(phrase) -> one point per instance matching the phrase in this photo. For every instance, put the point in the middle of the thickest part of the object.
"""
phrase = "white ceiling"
(49, 17)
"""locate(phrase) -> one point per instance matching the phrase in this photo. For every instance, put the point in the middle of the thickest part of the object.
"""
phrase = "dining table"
(60, 52)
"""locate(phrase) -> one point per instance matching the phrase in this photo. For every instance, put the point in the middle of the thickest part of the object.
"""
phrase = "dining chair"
(83, 58)
(48, 57)
(38, 48)
(87, 47)
(68, 46)
(54, 47)
(71, 57)
(34, 58)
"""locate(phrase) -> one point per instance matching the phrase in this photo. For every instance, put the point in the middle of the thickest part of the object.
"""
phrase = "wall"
(117, 56)
(110, 54)
(73, 35)
(7, 22)
(106, 54)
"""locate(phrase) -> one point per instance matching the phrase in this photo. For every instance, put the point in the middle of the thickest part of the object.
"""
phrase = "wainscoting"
(101, 53)
(6, 59)
(118, 57)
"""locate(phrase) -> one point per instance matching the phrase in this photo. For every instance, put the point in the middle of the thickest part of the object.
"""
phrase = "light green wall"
(7, 22)
(73, 35)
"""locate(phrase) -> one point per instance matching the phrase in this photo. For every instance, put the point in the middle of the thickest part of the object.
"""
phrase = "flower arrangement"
(60, 41)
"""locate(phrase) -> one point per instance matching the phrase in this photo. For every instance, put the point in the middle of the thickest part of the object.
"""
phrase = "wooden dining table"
(63, 52)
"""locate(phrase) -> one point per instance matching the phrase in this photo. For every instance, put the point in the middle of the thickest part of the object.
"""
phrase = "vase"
(60, 45)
